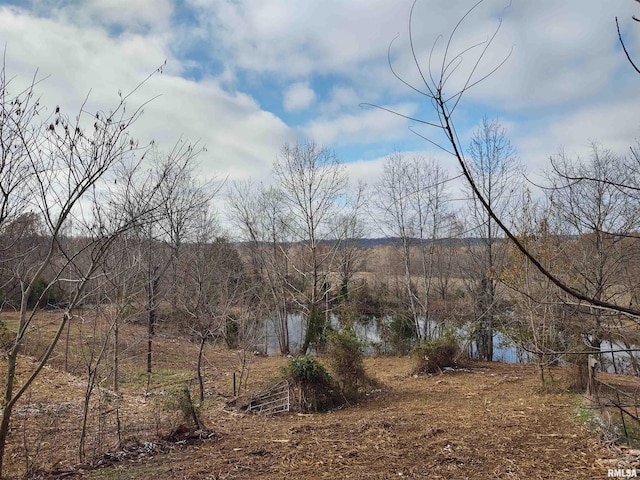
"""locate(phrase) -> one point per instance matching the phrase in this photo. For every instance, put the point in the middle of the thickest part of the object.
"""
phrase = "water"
(619, 361)
(369, 333)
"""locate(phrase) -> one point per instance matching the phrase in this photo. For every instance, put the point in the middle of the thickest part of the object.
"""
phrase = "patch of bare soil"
(489, 421)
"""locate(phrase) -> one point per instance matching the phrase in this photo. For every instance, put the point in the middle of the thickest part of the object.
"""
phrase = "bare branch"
(624, 47)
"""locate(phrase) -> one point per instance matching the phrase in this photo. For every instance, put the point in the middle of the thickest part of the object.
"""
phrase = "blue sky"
(244, 77)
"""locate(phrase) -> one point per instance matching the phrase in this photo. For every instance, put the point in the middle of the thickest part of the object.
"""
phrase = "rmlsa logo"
(622, 473)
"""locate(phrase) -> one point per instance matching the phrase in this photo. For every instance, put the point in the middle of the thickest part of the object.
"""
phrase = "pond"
(376, 342)
(619, 358)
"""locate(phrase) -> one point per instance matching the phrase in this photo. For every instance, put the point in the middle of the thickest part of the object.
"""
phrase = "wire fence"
(619, 407)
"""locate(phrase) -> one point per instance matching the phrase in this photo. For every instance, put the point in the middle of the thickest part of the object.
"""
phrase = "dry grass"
(485, 423)
(490, 421)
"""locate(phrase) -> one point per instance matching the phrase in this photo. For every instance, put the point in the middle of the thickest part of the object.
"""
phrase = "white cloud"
(240, 137)
(131, 14)
(312, 37)
(367, 171)
(342, 97)
(612, 124)
(565, 77)
(298, 97)
(366, 125)
(565, 54)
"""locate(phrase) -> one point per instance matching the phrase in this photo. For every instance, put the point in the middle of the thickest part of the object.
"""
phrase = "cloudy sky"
(243, 77)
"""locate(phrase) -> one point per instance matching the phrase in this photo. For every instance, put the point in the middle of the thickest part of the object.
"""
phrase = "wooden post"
(593, 365)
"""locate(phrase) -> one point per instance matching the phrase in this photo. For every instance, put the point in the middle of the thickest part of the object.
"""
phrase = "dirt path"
(486, 423)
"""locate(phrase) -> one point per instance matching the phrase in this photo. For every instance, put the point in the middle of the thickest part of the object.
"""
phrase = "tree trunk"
(406, 253)
(203, 342)
(66, 348)
(116, 353)
(7, 405)
(284, 337)
(153, 286)
(85, 414)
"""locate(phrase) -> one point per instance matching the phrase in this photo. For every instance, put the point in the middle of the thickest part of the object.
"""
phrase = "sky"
(244, 77)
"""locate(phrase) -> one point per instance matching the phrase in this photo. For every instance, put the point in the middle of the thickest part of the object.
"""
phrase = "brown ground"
(489, 421)
(486, 423)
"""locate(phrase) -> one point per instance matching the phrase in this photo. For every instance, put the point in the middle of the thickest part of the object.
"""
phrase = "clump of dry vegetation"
(435, 355)
(346, 360)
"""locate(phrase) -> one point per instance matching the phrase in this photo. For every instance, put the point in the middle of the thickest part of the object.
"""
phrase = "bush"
(434, 355)
(306, 369)
(314, 390)
(345, 351)
(179, 404)
(399, 333)
(232, 333)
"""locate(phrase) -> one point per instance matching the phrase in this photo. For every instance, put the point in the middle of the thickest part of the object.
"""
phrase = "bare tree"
(411, 205)
(350, 229)
(393, 201)
(430, 203)
(603, 220)
(182, 198)
(540, 323)
(67, 171)
(444, 83)
(496, 171)
(312, 181)
(213, 286)
(261, 216)
(122, 288)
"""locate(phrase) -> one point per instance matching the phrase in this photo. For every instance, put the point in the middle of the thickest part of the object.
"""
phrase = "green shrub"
(434, 355)
(313, 388)
(52, 296)
(306, 369)
(346, 357)
(179, 403)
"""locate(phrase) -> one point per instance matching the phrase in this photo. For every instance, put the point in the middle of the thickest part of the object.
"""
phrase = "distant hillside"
(396, 241)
